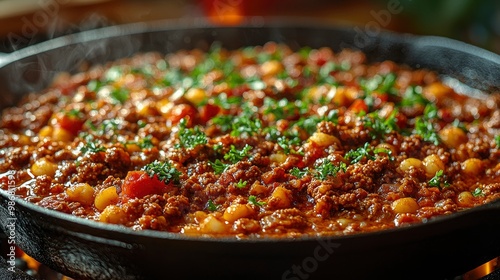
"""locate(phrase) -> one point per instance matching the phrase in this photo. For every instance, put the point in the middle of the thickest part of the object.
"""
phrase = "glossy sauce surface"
(261, 141)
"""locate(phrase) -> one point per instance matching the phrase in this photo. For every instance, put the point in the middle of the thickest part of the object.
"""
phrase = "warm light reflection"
(482, 270)
(225, 12)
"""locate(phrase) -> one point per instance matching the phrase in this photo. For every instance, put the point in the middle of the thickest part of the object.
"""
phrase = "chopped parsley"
(425, 127)
(234, 155)
(218, 166)
(113, 74)
(360, 153)
(327, 168)
(119, 95)
(91, 145)
(244, 125)
(309, 124)
(144, 143)
(366, 152)
(94, 85)
(211, 206)
(253, 199)
(299, 173)
(413, 95)
(74, 113)
(497, 141)
(383, 84)
(477, 192)
(458, 124)
(437, 180)
(164, 170)
(106, 127)
(287, 143)
(190, 137)
(241, 184)
(379, 127)
(284, 109)
(225, 102)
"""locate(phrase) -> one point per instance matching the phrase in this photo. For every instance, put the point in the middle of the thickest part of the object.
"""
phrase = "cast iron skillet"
(443, 247)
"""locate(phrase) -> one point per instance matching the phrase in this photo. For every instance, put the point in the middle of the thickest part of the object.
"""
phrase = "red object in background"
(232, 12)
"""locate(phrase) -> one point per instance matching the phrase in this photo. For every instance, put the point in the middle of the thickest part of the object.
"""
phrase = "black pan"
(443, 247)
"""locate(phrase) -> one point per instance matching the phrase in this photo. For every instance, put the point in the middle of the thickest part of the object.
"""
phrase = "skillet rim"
(275, 23)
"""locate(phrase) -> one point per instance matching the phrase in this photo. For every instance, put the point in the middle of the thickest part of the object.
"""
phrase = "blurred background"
(26, 22)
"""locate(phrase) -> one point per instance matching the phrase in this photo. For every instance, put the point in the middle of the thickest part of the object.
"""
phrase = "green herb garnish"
(234, 155)
(437, 180)
(211, 206)
(253, 199)
(424, 125)
(241, 184)
(119, 95)
(218, 166)
(477, 192)
(190, 137)
(412, 96)
(379, 127)
(164, 170)
(327, 168)
(91, 146)
(299, 173)
(425, 128)
(360, 153)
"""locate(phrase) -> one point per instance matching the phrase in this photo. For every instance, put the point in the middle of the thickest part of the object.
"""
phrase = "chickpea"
(44, 167)
(164, 106)
(113, 214)
(195, 95)
(317, 92)
(61, 134)
(132, 147)
(405, 205)
(82, 193)
(237, 211)
(106, 197)
(436, 91)
(45, 131)
(406, 164)
(453, 136)
(432, 164)
(472, 167)
(323, 139)
(465, 199)
(343, 222)
(271, 68)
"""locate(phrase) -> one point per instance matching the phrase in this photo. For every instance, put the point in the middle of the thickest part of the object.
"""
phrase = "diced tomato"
(445, 115)
(138, 184)
(358, 105)
(181, 111)
(208, 111)
(71, 121)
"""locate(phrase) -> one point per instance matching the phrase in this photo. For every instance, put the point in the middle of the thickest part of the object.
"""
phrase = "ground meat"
(260, 142)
